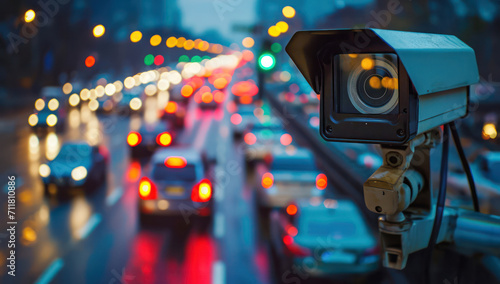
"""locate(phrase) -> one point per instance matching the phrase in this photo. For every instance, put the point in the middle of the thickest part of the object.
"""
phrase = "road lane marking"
(219, 226)
(50, 272)
(93, 221)
(218, 272)
(114, 197)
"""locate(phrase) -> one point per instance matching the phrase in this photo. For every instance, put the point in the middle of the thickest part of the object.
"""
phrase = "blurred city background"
(169, 141)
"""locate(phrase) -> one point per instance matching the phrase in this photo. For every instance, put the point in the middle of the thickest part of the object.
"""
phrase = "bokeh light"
(29, 16)
(288, 12)
(98, 31)
(135, 36)
(248, 42)
(90, 61)
(155, 40)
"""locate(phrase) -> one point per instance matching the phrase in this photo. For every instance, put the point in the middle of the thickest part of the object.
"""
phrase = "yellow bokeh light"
(282, 26)
(367, 63)
(180, 42)
(248, 42)
(155, 40)
(67, 88)
(33, 120)
(273, 31)
(171, 42)
(129, 82)
(135, 36)
(375, 82)
(93, 105)
(390, 83)
(288, 12)
(29, 16)
(99, 30)
(353, 55)
(490, 131)
(188, 44)
(39, 104)
(74, 100)
(53, 104)
(51, 120)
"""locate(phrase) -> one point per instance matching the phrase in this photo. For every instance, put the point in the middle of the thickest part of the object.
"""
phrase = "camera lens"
(373, 86)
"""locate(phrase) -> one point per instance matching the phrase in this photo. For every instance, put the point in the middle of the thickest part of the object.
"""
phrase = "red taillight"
(267, 180)
(250, 138)
(175, 162)
(292, 230)
(147, 189)
(202, 191)
(372, 251)
(321, 181)
(164, 139)
(291, 209)
(134, 138)
(293, 249)
(286, 139)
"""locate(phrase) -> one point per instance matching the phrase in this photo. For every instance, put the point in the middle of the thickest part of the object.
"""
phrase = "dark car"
(77, 165)
(149, 137)
(326, 236)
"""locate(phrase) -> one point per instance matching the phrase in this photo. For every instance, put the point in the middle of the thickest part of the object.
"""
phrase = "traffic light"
(267, 61)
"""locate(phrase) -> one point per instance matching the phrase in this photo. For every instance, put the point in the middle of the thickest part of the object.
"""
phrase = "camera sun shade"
(382, 86)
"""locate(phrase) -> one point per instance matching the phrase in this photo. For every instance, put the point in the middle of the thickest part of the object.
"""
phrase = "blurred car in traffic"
(77, 165)
(176, 182)
(207, 99)
(292, 174)
(149, 137)
(243, 118)
(129, 101)
(175, 112)
(327, 237)
(485, 170)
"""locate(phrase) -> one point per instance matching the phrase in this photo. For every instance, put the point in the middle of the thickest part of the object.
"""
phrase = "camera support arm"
(401, 189)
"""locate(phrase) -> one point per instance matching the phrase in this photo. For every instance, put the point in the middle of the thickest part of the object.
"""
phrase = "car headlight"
(44, 170)
(51, 120)
(79, 173)
(33, 119)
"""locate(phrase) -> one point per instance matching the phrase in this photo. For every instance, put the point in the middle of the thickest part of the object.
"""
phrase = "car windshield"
(162, 173)
(74, 152)
(293, 163)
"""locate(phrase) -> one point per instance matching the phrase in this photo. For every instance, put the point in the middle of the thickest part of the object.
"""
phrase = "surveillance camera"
(382, 86)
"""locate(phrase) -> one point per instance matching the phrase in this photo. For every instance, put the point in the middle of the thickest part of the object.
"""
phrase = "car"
(243, 118)
(291, 174)
(261, 142)
(176, 182)
(78, 165)
(328, 238)
(128, 101)
(150, 136)
(208, 99)
(175, 112)
(49, 112)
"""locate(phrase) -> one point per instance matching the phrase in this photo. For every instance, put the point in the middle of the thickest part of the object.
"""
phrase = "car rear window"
(162, 173)
(293, 164)
(74, 152)
(334, 228)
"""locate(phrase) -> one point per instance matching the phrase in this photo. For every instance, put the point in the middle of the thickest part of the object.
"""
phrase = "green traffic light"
(267, 61)
(149, 59)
